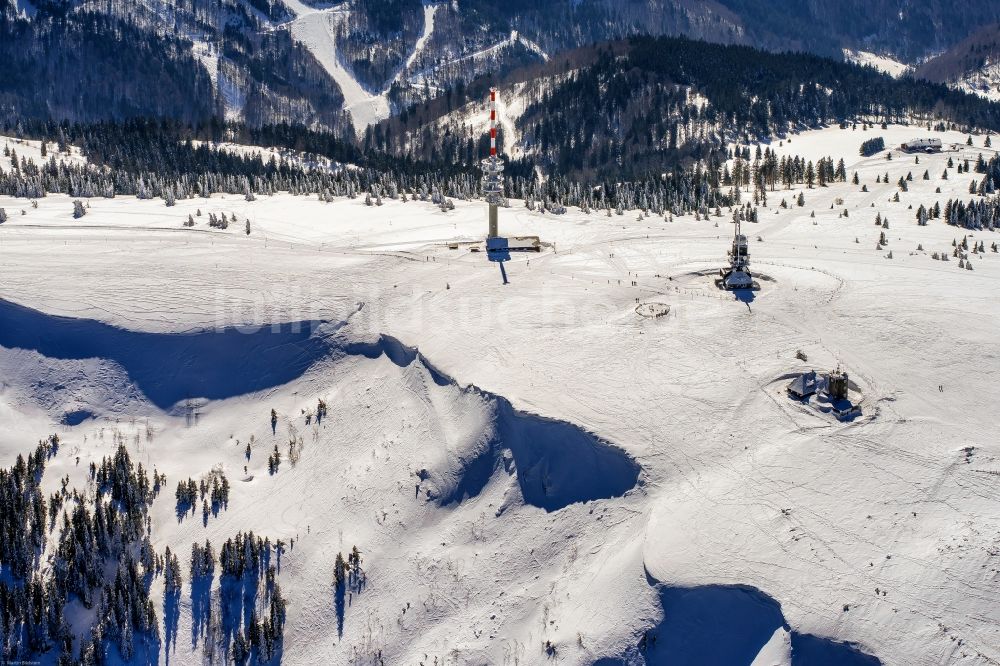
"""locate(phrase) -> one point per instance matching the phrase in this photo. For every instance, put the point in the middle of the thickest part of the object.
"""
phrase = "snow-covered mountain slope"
(985, 81)
(29, 149)
(972, 65)
(882, 63)
(190, 62)
(631, 109)
(266, 154)
(536, 471)
(386, 56)
(316, 29)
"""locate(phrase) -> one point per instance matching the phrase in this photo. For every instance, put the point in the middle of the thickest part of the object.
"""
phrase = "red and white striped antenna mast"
(493, 122)
(493, 170)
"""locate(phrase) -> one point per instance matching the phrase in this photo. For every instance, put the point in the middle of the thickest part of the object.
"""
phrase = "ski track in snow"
(430, 11)
(233, 98)
(530, 45)
(745, 498)
(315, 29)
(491, 50)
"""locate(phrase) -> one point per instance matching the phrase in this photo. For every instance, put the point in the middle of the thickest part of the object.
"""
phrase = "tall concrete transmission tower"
(493, 171)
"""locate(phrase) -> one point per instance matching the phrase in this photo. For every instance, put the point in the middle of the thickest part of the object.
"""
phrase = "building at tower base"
(737, 275)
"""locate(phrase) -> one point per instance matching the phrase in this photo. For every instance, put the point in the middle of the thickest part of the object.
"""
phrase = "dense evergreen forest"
(981, 212)
(637, 108)
(645, 122)
(162, 159)
(741, 82)
(41, 75)
(101, 555)
(970, 55)
(62, 64)
(910, 31)
(379, 39)
(236, 58)
(99, 563)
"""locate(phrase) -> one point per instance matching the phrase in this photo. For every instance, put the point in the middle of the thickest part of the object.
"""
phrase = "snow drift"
(733, 624)
(170, 367)
(556, 462)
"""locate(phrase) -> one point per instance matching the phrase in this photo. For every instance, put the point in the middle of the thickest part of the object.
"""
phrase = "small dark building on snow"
(804, 385)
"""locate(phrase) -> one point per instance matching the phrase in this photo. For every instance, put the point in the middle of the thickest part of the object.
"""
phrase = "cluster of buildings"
(830, 387)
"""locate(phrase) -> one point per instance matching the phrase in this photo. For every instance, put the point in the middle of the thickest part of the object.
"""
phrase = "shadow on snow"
(728, 625)
(557, 463)
(169, 367)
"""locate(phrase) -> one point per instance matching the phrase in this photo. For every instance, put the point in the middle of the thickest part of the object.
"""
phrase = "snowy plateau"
(539, 472)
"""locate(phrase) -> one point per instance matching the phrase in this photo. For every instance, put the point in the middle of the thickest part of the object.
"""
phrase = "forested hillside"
(972, 65)
(172, 162)
(376, 43)
(188, 61)
(907, 30)
(644, 106)
(41, 74)
(245, 60)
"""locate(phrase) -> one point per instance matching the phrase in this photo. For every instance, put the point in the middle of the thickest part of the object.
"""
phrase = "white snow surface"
(984, 82)
(265, 154)
(738, 486)
(882, 63)
(777, 651)
(31, 149)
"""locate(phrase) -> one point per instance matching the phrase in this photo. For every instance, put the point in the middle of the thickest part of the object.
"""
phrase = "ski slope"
(486, 53)
(316, 29)
(882, 63)
(536, 472)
